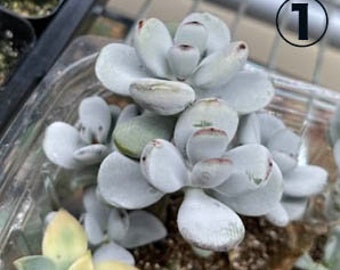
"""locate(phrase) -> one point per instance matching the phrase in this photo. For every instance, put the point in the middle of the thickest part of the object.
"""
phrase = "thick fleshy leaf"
(206, 223)
(130, 111)
(94, 232)
(305, 262)
(98, 209)
(211, 173)
(95, 120)
(117, 66)
(247, 91)
(144, 229)
(269, 125)
(257, 202)
(163, 166)
(331, 252)
(193, 34)
(83, 263)
(249, 130)
(34, 263)
(218, 32)
(121, 182)
(285, 162)
(295, 207)
(255, 161)
(64, 240)
(336, 153)
(334, 126)
(218, 68)
(152, 41)
(278, 216)
(118, 224)
(183, 59)
(91, 154)
(205, 113)
(112, 252)
(305, 181)
(162, 97)
(131, 137)
(59, 144)
(114, 265)
(206, 143)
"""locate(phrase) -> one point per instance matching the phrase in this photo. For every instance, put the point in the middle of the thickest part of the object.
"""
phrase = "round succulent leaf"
(59, 144)
(336, 153)
(163, 166)
(211, 173)
(208, 224)
(305, 181)
(34, 262)
(144, 229)
(162, 97)
(112, 252)
(206, 143)
(91, 154)
(258, 202)
(295, 207)
(121, 182)
(331, 252)
(192, 33)
(255, 161)
(94, 232)
(334, 126)
(115, 112)
(97, 208)
(269, 125)
(278, 216)
(205, 113)
(132, 136)
(95, 120)
(247, 91)
(130, 111)
(118, 224)
(218, 68)
(285, 162)
(305, 262)
(218, 32)
(117, 66)
(183, 60)
(114, 265)
(83, 263)
(64, 240)
(152, 41)
(249, 129)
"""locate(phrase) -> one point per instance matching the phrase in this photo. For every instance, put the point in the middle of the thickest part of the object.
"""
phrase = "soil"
(265, 247)
(30, 8)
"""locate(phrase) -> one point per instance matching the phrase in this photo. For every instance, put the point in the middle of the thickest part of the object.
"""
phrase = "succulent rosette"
(164, 74)
(86, 144)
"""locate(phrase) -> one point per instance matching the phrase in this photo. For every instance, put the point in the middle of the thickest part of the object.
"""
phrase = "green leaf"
(35, 263)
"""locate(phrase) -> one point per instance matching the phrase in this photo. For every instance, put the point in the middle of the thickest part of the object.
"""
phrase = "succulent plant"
(64, 247)
(74, 148)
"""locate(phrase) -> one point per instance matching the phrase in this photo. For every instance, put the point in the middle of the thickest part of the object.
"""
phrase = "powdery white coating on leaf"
(295, 207)
(162, 97)
(206, 223)
(206, 143)
(336, 153)
(129, 111)
(305, 181)
(257, 202)
(112, 252)
(334, 126)
(152, 41)
(205, 113)
(247, 91)
(210, 173)
(269, 125)
(91, 154)
(59, 144)
(118, 224)
(144, 229)
(249, 129)
(183, 59)
(218, 31)
(193, 34)
(117, 66)
(163, 166)
(95, 120)
(218, 68)
(278, 216)
(95, 235)
(285, 162)
(121, 182)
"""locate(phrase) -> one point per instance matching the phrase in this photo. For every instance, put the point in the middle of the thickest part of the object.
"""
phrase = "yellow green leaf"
(34, 263)
(113, 265)
(65, 240)
(83, 263)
